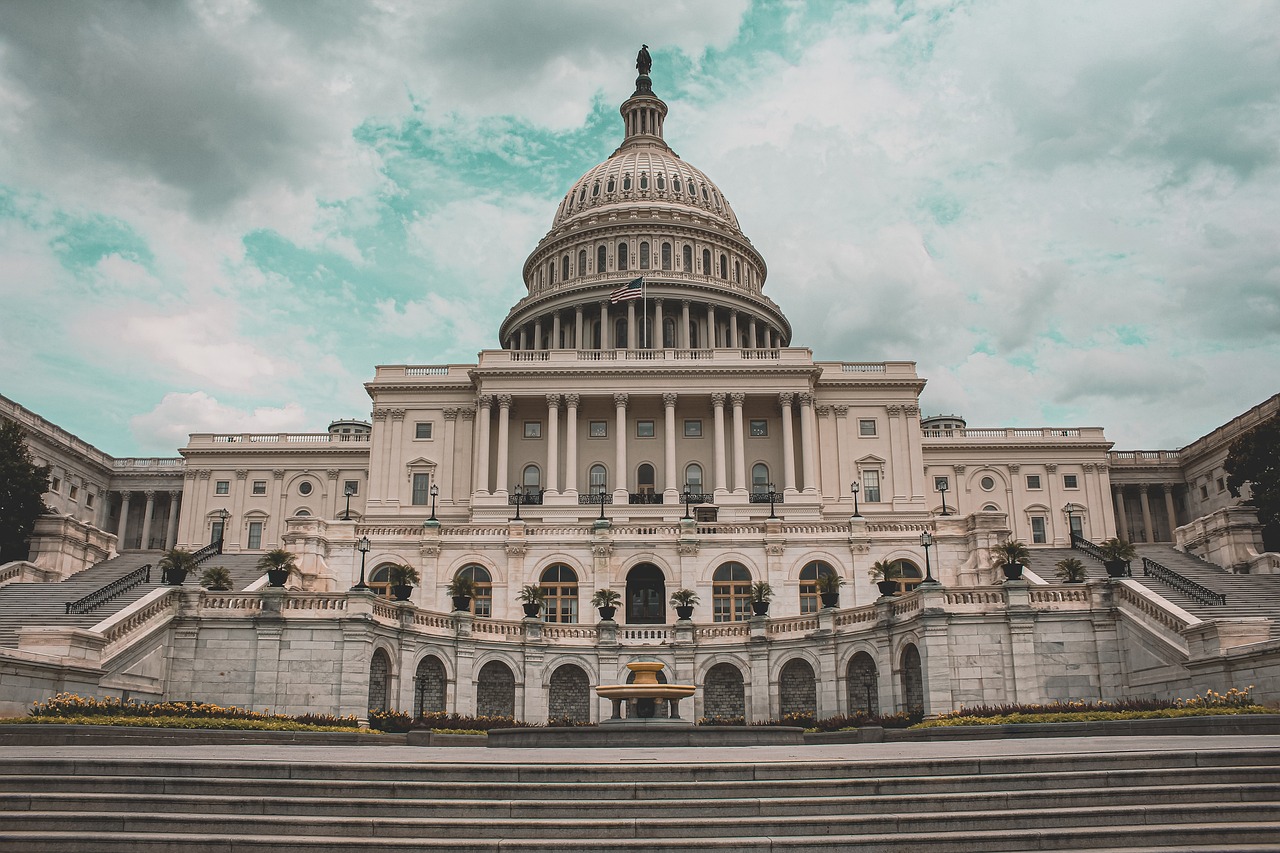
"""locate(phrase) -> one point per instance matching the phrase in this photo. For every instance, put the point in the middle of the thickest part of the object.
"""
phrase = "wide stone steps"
(1157, 800)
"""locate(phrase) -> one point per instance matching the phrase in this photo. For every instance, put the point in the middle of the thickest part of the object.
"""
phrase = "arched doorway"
(723, 692)
(797, 688)
(429, 683)
(379, 680)
(861, 684)
(495, 691)
(912, 680)
(569, 694)
(646, 596)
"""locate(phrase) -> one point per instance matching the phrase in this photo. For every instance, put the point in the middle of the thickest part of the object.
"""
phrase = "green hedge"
(1089, 716)
(182, 723)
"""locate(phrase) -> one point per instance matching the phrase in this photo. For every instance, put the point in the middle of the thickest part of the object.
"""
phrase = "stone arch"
(495, 690)
(646, 598)
(379, 680)
(430, 686)
(724, 692)
(912, 678)
(862, 686)
(569, 694)
(797, 688)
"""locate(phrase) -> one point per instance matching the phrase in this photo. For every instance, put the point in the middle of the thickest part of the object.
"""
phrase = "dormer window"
(662, 182)
(595, 190)
(626, 182)
(644, 180)
(611, 186)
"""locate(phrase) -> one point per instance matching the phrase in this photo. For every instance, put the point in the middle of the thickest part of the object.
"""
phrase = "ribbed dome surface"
(645, 174)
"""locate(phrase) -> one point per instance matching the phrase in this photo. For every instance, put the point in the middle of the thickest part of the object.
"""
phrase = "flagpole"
(644, 301)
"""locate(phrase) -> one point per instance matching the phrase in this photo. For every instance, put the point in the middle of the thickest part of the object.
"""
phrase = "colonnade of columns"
(1143, 528)
(146, 539)
(721, 327)
(728, 456)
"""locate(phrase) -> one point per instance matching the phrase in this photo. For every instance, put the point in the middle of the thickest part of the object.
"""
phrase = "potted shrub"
(606, 601)
(216, 579)
(403, 578)
(277, 564)
(1116, 554)
(532, 597)
(684, 600)
(761, 595)
(1012, 557)
(461, 590)
(886, 576)
(1070, 570)
(829, 589)
(175, 565)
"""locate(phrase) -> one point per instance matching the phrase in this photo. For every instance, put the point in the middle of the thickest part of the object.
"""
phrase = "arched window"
(675, 184)
(582, 262)
(731, 593)
(560, 586)
(693, 478)
(909, 575)
(482, 599)
(737, 272)
(912, 680)
(644, 255)
(551, 272)
(622, 256)
(602, 258)
(598, 479)
(531, 480)
(626, 182)
(644, 479)
(724, 267)
(706, 262)
(595, 190)
(620, 333)
(646, 595)
(644, 180)
(564, 268)
(809, 584)
(662, 182)
(693, 334)
(759, 478)
(666, 256)
(686, 255)
(611, 186)
(380, 580)
(668, 332)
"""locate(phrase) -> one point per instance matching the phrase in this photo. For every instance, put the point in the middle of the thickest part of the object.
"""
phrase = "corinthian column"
(739, 444)
(504, 444)
(807, 444)
(146, 519)
(571, 444)
(553, 443)
(483, 416)
(671, 491)
(621, 475)
(788, 445)
(717, 406)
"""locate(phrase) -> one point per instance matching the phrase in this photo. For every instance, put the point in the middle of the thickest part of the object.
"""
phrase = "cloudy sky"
(221, 215)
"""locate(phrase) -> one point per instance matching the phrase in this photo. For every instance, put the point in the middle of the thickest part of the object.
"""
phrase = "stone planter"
(531, 609)
(277, 577)
(684, 612)
(175, 577)
(887, 587)
(829, 599)
(606, 613)
(461, 602)
(760, 608)
(1117, 568)
(1012, 571)
(401, 591)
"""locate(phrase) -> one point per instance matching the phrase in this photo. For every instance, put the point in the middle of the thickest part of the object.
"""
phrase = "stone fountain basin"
(646, 691)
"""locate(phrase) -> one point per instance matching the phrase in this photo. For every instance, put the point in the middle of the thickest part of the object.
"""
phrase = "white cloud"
(180, 414)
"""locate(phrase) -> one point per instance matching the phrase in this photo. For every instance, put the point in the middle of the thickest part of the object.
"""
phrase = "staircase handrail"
(1183, 584)
(105, 593)
(1081, 544)
(202, 554)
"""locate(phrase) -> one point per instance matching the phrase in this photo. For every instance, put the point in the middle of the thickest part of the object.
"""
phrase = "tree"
(1254, 459)
(22, 487)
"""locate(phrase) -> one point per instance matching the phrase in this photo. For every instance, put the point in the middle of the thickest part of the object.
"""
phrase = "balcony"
(644, 498)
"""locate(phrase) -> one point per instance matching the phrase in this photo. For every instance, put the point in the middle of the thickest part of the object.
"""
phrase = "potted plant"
(403, 578)
(277, 564)
(684, 600)
(1070, 570)
(1012, 557)
(175, 565)
(1116, 554)
(761, 595)
(606, 601)
(828, 586)
(216, 579)
(886, 576)
(532, 597)
(461, 590)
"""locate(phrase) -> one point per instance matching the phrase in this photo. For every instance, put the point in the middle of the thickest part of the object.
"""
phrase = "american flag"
(630, 290)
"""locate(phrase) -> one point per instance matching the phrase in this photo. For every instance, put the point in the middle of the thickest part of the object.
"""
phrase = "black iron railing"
(644, 497)
(525, 499)
(697, 498)
(120, 585)
(764, 497)
(1081, 544)
(207, 551)
(1185, 585)
(593, 498)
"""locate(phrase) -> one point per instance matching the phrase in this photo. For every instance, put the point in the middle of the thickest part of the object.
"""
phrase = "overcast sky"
(219, 216)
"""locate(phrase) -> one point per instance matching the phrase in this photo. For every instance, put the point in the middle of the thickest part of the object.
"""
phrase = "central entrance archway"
(646, 596)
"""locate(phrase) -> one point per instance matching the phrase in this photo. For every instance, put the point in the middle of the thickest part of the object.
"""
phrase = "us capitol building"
(648, 425)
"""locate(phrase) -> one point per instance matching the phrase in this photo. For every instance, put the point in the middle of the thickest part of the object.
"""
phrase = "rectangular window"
(1033, 481)
(1037, 530)
(644, 429)
(259, 487)
(871, 486)
(88, 499)
(1070, 481)
(940, 484)
(55, 484)
(1204, 492)
(222, 487)
(533, 429)
(759, 429)
(255, 535)
(1077, 525)
(598, 429)
(693, 429)
(73, 491)
(422, 430)
(1222, 485)
(351, 487)
(866, 427)
(421, 489)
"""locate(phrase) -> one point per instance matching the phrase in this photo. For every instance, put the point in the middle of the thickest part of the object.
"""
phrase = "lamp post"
(517, 498)
(435, 490)
(348, 492)
(363, 546)
(926, 540)
(223, 515)
(593, 498)
(1069, 511)
(942, 487)
(854, 487)
(773, 496)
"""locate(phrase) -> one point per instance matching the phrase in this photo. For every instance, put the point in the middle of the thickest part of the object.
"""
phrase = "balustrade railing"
(105, 593)
(1164, 574)
(644, 498)
(1081, 544)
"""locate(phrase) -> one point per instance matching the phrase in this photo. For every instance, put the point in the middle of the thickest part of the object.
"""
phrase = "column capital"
(125, 494)
(911, 411)
(553, 401)
(806, 398)
(717, 399)
(621, 400)
(504, 401)
(841, 411)
(467, 414)
(379, 414)
(822, 411)
(204, 473)
(669, 399)
(959, 469)
(173, 493)
(485, 401)
(785, 399)
(278, 474)
(685, 303)
(894, 410)
(1088, 467)
(737, 398)
(1014, 467)
(242, 473)
(571, 400)
(397, 414)
(1051, 467)
(331, 473)
(150, 494)
(450, 413)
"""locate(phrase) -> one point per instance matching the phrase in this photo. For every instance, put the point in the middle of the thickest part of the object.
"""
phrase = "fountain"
(646, 691)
